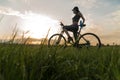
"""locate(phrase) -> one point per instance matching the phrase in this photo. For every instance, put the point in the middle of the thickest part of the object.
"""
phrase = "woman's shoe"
(70, 39)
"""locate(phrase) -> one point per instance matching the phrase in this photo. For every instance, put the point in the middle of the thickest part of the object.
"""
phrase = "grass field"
(38, 62)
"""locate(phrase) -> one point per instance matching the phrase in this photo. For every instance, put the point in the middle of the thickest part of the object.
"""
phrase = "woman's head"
(75, 10)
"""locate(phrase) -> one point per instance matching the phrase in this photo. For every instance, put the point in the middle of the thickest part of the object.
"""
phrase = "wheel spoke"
(57, 40)
(90, 40)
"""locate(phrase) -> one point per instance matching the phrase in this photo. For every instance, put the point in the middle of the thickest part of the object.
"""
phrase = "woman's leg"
(72, 28)
(66, 29)
(75, 35)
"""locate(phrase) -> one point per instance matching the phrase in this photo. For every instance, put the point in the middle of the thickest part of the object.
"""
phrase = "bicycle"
(83, 40)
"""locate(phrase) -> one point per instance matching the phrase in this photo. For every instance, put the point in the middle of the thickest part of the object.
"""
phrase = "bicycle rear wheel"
(89, 40)
(57, 40)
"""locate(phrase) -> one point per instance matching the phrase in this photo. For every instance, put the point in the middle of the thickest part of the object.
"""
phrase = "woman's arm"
(82, 17)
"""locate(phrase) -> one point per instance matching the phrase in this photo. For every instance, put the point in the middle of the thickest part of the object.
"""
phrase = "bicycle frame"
(79, 31)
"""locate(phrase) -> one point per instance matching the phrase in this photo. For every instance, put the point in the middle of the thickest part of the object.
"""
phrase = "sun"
(39, 25)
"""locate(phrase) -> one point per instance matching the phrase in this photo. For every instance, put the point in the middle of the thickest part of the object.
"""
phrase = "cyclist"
(74, 26)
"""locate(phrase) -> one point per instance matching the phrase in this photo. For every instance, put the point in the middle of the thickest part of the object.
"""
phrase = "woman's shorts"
(72, 28)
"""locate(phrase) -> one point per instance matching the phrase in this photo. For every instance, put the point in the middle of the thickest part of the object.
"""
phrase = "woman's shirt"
(76, 18)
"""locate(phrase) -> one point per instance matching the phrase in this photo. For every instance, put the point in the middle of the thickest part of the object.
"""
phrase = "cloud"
(112, 20)
(8, 11)
(29, 21)
(86, 3)
(22, 2)
(92, 25)
(12, 12)
(112, 27)
(116, 17)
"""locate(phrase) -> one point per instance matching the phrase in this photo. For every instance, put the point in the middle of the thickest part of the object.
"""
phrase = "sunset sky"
(38, 16)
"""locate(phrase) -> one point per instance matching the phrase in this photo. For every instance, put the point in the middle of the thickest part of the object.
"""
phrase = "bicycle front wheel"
(90, 40)
(57, 40)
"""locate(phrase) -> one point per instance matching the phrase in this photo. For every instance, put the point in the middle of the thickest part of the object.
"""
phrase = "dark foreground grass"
(38, 62)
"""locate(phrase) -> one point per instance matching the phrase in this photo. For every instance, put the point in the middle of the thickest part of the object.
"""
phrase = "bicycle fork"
(87, 44)
(59, 38)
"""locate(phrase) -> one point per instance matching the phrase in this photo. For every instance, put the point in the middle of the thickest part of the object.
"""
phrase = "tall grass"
(38, 62)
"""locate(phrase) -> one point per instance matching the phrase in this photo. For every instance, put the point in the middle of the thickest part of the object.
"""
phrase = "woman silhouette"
(74, 26)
